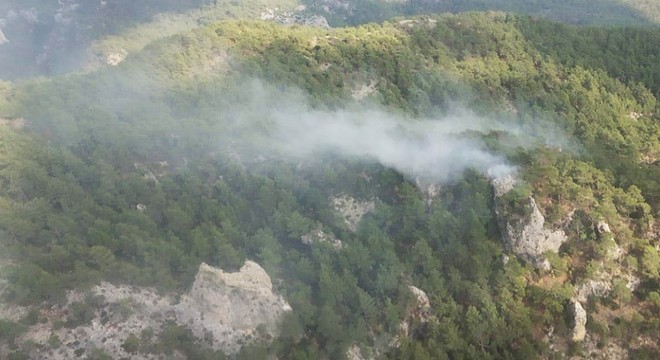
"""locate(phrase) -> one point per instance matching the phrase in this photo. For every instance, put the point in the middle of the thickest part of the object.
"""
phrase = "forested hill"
(54, 37)
(137, 173)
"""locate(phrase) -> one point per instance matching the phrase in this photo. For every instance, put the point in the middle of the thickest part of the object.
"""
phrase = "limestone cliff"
(223, 310)
(234, 307)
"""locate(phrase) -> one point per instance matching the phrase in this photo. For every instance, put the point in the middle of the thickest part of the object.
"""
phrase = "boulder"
(578, 320)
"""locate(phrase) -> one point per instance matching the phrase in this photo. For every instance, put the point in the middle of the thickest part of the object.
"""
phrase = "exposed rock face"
(289, 18)
(419, 310)
(231, 306)
(598, 288)
(593, 350)
(603, 227)
(361, 91)
(115, 58)
(430, 190)
(352, 210)
(422, 308)
(354, 353)
(503, 184)
(223, 310)
(319, 236)
(527, 237)
(579, 321)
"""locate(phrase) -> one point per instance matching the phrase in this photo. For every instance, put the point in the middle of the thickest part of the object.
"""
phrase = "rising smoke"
(284, 127)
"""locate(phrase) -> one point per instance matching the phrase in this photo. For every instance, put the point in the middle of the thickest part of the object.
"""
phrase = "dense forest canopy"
(182, 153)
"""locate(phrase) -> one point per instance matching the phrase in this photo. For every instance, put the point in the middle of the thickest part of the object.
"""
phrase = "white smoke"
(432, 149)
(435, 149)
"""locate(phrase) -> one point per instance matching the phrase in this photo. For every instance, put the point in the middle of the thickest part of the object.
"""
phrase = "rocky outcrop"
(597, 288)
(361, 91)
(319, 236)
(354, 353)
(419, 311)
(351, 209)
(290, 18)
(529, 239)
(603, 228)
(430, 190)
(234, 307)
(422, 308)
(578, 321)
(503, 184)
(223, 310)
(525, 235)
(115, 58)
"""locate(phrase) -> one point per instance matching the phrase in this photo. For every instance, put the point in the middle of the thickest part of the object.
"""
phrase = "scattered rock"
(411, 23)
(598, 288)
(361, 91)
(578, 320)
(351, 209)
(319, 236)
(354, 353)
(594, 350)
(632, 281)
(290, 18)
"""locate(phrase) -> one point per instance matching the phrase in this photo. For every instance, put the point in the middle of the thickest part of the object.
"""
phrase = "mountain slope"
(138, 173)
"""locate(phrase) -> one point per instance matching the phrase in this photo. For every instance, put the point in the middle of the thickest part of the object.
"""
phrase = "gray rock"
(351, 209)
(597, 288)
(527, 237)
(232, 306)
(603, 227)
(579, 321)
(319, 236)
(503, 184)
(223, 310)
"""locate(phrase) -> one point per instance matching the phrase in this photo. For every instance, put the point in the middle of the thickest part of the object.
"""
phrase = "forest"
(176, 128)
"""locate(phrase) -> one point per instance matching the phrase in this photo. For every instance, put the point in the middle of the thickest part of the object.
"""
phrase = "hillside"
(52, 38)
(447, 186)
